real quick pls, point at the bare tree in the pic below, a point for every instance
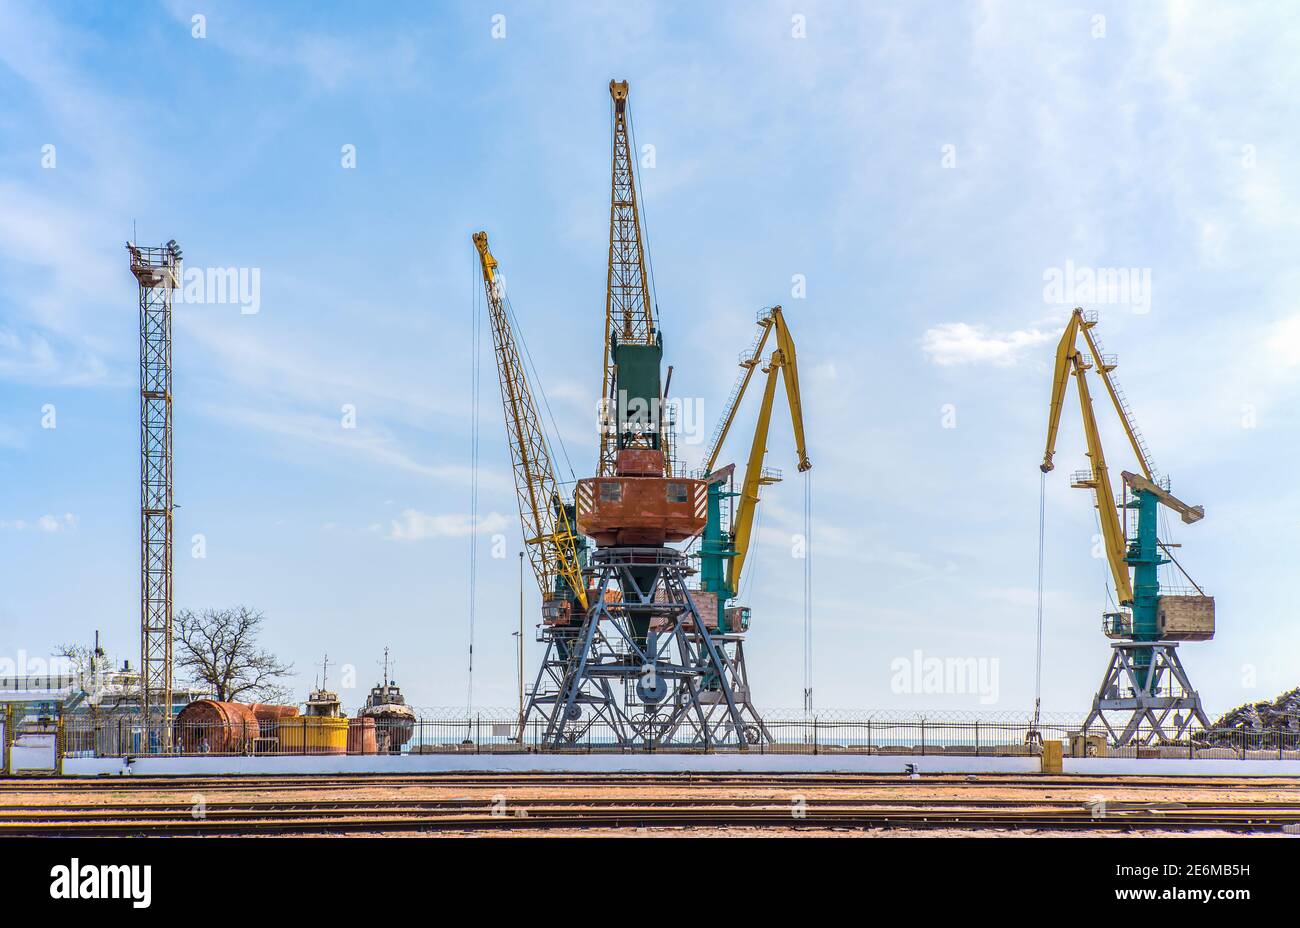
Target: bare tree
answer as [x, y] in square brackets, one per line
[83, 661]
[218, 648]
[92, 673]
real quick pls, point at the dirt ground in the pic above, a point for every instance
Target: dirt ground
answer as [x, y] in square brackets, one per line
[1025, 795]
[918, 791]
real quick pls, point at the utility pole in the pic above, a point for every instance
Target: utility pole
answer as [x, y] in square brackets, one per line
[520, 634]
[157, 270]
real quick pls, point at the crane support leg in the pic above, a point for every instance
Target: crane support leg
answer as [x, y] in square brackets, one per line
[608, 686]
[1144, 685]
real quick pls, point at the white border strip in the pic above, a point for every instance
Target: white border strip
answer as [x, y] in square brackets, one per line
[517, 763]
[1182, 766]
[633, 763]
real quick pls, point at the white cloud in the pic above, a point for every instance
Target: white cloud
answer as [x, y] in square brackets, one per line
[33, 359]
[414, 525]
[46, 523]
[1283, 341]
[961, 343]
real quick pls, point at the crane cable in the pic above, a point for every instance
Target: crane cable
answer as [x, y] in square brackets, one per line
[1038, 660]
[645, 222]
[746, 593]
[535, 380]
[807, 594]
[475, 343]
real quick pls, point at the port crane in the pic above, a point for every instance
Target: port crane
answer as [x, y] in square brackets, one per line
[636, 666]
[555, 549]
[1145, 682]
[723, 552]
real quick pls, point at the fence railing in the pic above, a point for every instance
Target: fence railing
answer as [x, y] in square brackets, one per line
[126, 736]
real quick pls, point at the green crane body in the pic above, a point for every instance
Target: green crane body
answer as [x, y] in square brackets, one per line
[638, 400]
[716, 552]
[1144, 557]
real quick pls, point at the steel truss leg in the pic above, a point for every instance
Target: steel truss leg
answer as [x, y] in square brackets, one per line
[626, 693]
[1145, 704]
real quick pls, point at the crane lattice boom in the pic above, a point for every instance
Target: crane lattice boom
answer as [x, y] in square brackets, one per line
[548, 532]
[629, 311]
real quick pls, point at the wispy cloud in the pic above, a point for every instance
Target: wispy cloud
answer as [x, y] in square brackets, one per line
[31, 358]
[46, 523]
[329, 60]
[414, 525]
[962, 343]
[309, 433]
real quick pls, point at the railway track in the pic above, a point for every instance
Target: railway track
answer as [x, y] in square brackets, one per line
[257, 806]
[275, 821]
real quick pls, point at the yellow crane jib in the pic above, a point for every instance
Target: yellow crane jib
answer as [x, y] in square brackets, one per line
[1132, 561]
[1070, 362]
[548, 532]
[783, 361]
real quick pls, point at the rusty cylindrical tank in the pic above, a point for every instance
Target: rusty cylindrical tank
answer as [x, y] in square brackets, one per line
[265, 711]
[269, 715]
[362, 736]
[206, 726]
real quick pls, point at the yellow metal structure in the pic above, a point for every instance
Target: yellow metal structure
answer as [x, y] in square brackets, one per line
[548, 531]
[1071, 361]
[629, 311]
[784, 362]
[1067, 356]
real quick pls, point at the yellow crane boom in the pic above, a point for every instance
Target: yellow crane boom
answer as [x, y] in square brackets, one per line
[549, 534]
[1067, 350]
[784, 361]
[1070, 362]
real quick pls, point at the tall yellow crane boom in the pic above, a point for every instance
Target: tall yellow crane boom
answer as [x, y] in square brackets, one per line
[1067, 350]
[1072, 361]
[749, 361]
[1112, 533]
[549, 534]
[629, 311]
[784, 361]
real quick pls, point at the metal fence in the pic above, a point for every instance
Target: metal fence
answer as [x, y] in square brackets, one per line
[125, 736]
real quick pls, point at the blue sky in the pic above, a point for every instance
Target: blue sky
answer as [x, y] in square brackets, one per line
[923, 166]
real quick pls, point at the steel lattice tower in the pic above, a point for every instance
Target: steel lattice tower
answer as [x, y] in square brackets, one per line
[158, 272]
[629, 312]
